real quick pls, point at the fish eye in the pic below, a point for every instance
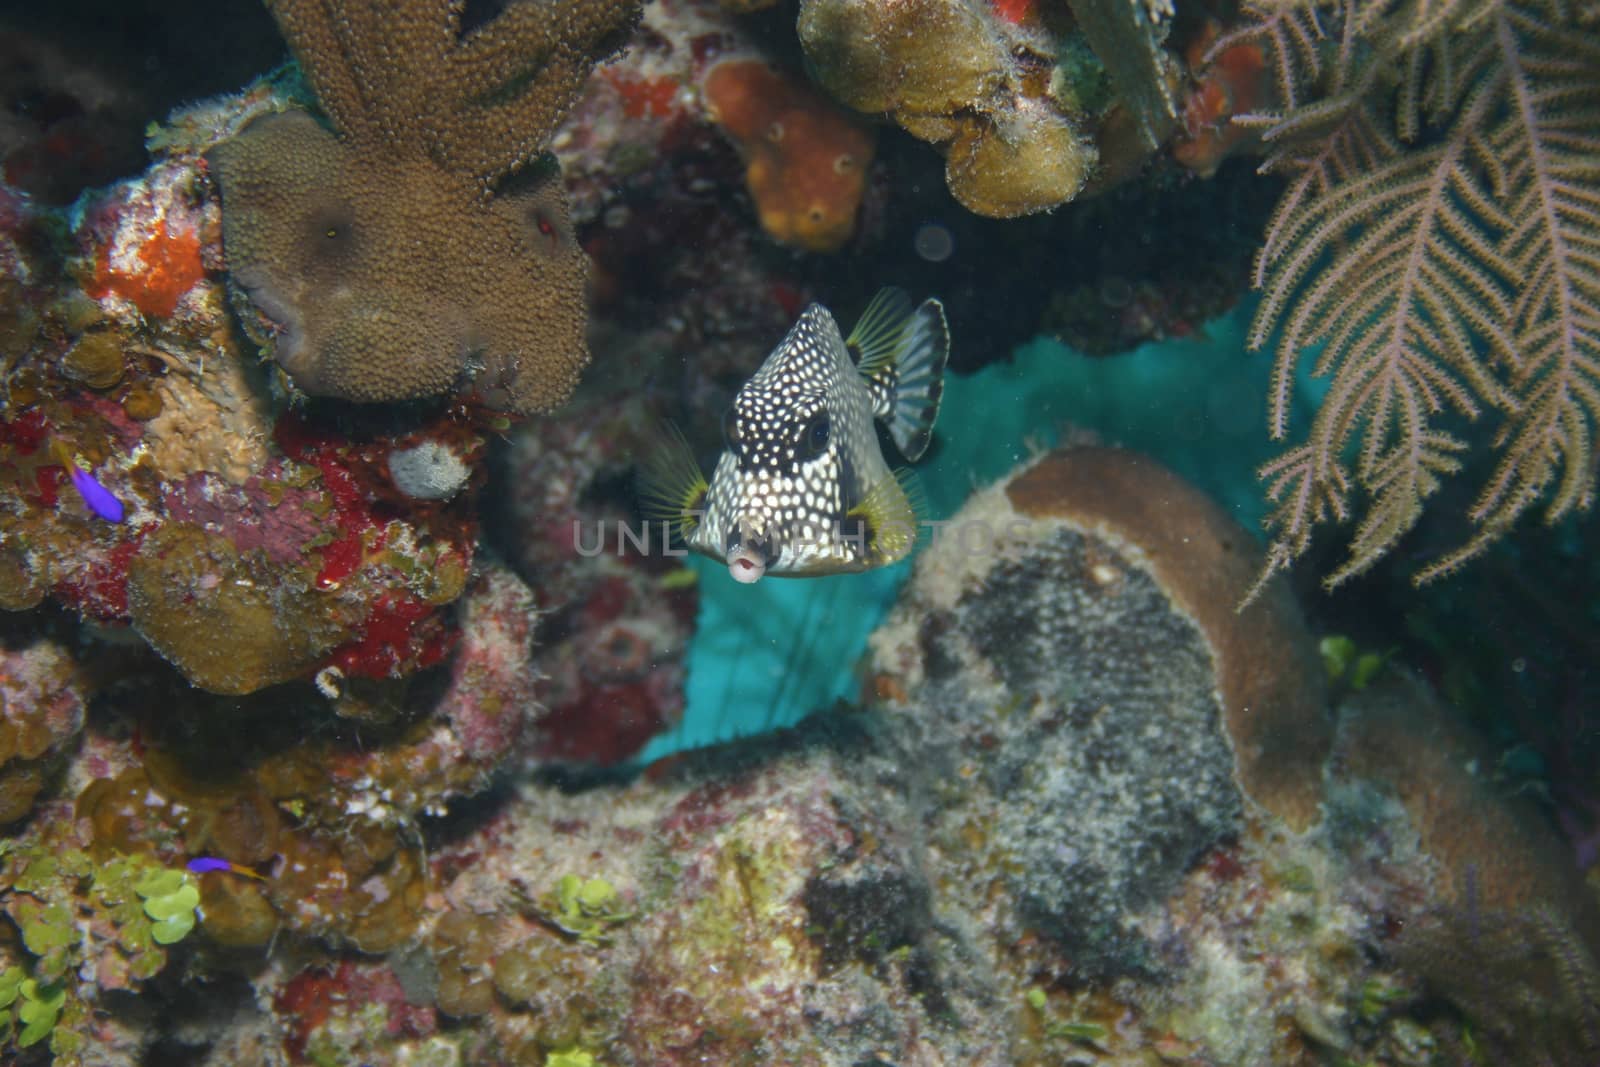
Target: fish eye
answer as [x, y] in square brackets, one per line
[814, 439]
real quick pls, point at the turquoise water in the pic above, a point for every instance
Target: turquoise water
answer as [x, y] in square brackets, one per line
[768, 654]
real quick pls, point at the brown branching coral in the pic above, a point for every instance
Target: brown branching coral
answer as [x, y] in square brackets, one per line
[390, 259]
[1523, 979]
[1440, 236]
[1505, 930]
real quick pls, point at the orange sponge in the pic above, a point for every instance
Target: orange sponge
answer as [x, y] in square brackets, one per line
[805, 160]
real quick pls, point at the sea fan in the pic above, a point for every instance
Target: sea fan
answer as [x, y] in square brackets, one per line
[1440, 237]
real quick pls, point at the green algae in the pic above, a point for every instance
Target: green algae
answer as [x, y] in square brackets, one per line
[586, 908]
[79, 916]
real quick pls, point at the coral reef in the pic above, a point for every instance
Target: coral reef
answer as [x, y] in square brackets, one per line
[1504, 898]
[89, 926]
[388, 260]
[1095, 590]
[1058, 831]
[1272, 702]
[234, 521]
[322, 721]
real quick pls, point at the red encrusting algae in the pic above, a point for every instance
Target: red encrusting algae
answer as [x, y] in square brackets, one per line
[1015, 12]
[99, 590]
[168, 266]
[404, 629]
[641, 96]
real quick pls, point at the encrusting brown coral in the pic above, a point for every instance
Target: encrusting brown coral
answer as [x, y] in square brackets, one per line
[392, 259]
[1508, 931]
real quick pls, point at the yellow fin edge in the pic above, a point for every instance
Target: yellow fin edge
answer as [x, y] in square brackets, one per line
[671, 485]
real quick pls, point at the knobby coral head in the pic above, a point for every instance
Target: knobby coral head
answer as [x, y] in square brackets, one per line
[400, 255]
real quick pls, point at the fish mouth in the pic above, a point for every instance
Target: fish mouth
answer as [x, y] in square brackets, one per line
[748, 560]
[746, 566]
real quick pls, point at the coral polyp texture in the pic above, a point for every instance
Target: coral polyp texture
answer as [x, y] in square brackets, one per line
[1101, 602]
[1272, 705]
[395, 256]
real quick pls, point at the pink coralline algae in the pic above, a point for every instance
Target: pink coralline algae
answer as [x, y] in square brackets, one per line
[42, 705]
[492, 696]
[265, 513]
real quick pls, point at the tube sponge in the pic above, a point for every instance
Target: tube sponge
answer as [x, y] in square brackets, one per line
[806, 160]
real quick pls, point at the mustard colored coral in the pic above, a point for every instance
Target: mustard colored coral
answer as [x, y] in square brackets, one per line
[806, 161]
[923, 57]
[948, 73]
[232, 624]
[1033, 159]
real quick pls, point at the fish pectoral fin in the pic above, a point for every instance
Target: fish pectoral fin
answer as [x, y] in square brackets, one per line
[889, 515]
[671, 485]
[902, 354]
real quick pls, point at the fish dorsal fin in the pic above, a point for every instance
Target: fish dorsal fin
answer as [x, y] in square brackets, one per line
[875, 342]
[891, 513]
[671, 485]
[902, 352]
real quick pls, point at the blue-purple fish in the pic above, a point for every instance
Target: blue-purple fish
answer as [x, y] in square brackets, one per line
[206, 864]
[96, 497]
[802, 488]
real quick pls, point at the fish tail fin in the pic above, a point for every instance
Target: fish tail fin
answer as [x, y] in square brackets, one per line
[901, 352]
[671, 485]
[891, 517]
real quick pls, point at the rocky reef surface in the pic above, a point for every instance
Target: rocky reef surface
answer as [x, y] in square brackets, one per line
[1078, 820]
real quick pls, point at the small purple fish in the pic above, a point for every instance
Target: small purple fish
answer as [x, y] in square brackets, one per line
[100, 500]
[206, 864]
[96, 497]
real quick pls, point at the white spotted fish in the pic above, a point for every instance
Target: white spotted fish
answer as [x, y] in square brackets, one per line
[802, 488]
